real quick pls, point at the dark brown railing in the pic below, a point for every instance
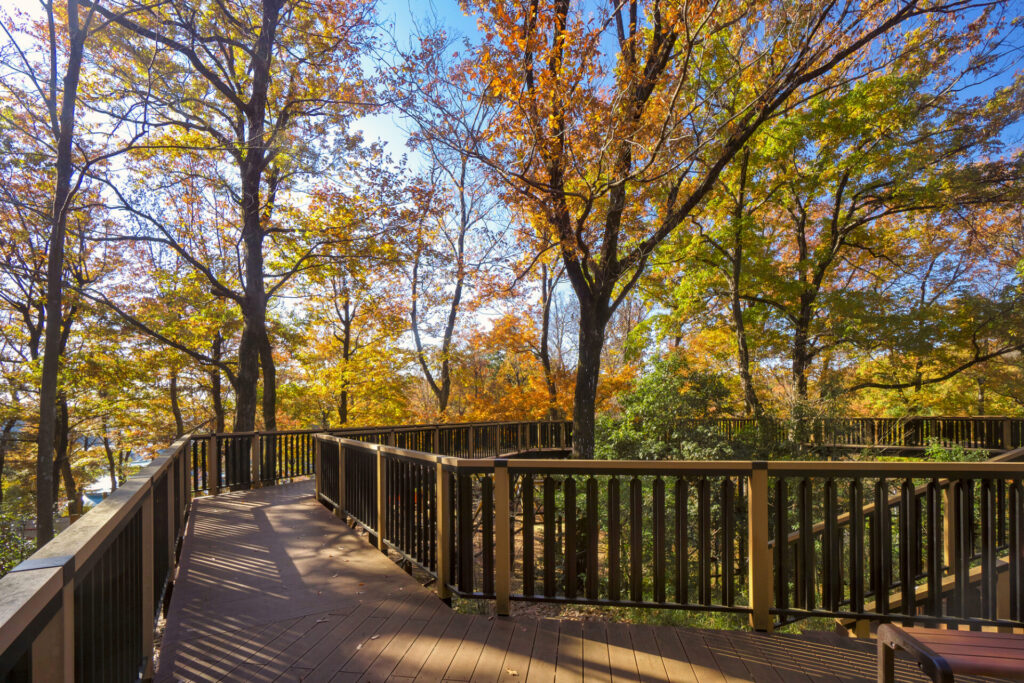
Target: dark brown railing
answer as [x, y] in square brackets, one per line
[699, 535]
[983, 433]
[272, 457]
[83, 607]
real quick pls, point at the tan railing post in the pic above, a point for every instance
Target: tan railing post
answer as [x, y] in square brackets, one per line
[444, 531]
[758, 552]
[254, 461]
[519, 436]
[502, 539]
[53, 650]
[472, 440]
[437, 440]
[212, 466]
[146, 547]
[391, 438]
[381, 493]
[1007, 433]
[340, 512]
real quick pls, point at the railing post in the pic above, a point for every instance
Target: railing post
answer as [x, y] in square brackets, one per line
[1007, 434]
[53, 650]
[519, 436]
[949, 527]
[254, 461]
[502, 539]
[381, 507]
[212, 466]
[146, 547]
[444, 532]
[318, 470]
[340, 511]
[437, 440]
[758, 552]
[472, 444]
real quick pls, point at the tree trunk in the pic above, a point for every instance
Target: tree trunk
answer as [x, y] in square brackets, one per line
[544, 352]
[179, 422]
[64, 136]
[64, 457]
[591, 341]
[215, 386]
[269, 383]
[5, 443]
[800, 363]
[111, 463]
[343, 407]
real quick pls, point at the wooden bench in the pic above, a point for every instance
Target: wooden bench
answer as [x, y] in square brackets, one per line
[942, 654]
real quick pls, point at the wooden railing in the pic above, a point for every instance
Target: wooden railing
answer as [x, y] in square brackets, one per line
[982, 433]
[265, 458]
[82, 608]
[698, 535]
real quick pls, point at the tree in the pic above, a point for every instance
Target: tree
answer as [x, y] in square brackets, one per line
[617, 149]
[50, 81]
[248, 91]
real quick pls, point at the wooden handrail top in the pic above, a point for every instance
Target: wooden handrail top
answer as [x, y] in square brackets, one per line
[27, 590]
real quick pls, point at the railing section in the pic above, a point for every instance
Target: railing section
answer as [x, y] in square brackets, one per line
[919, 542]
[240, 460]
[83, 607]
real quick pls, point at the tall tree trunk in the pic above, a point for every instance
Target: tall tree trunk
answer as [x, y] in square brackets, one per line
[800, 363]
[62, 194]
[179, 422]
[544, 352]
[343, 407]
[751, 403]
[269, 383]
[6, 438]
[111, 463]
[64, 456]
[593, 321]
[215, 385]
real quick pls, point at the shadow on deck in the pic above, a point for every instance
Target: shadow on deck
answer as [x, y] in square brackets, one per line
[272, 587]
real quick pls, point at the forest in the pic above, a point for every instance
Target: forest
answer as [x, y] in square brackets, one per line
[238, 215]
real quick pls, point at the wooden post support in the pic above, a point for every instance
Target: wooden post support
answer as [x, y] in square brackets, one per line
[1007, 434]
[318, 469]
[437, 441]
[212, 466]
[444, 532]
[391, 438]
[254, 461]
[146, 547]
[502, 539]
[340, 512]
[519, 436]
[758, 552]
[472, 445]
[53, 650]
[382, 490]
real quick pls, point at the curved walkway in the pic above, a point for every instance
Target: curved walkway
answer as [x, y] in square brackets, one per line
[273, 587]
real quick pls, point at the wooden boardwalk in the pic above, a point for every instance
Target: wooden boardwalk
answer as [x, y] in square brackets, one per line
[271, 587]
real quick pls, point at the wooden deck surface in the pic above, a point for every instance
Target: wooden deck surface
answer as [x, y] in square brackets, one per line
[272, 587]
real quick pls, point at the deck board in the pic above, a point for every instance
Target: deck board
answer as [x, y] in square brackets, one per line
[271, 587]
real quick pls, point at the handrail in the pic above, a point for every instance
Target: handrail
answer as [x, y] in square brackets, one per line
[111, 566]
[448, 516]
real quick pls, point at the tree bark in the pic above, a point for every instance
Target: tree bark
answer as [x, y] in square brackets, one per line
[217, 350]
[543, 351]
[593, 322]
[5, 443]
[62, 195]
[179, 422]
[64, 457]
